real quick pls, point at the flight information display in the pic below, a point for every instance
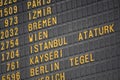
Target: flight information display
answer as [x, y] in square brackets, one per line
[59, 39]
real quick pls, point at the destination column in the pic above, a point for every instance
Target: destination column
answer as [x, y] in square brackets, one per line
[43, 48]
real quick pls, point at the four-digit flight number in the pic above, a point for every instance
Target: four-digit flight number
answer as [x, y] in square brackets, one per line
[7, 2]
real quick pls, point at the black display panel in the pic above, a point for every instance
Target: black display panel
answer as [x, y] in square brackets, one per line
[59, 40]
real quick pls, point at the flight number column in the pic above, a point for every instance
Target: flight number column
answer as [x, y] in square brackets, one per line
[9, 40]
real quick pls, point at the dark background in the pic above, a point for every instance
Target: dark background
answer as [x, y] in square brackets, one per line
[73, 17]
